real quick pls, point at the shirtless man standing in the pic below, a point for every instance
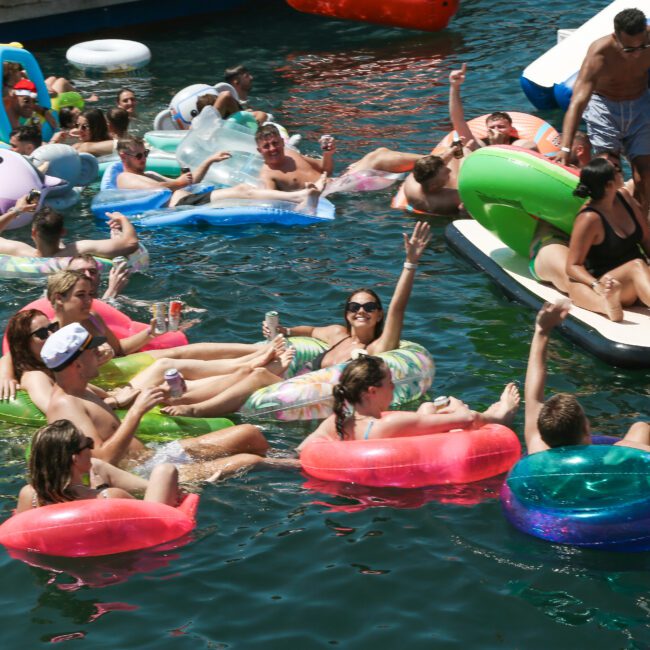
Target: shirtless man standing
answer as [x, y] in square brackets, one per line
[71, 353]
[612, 91]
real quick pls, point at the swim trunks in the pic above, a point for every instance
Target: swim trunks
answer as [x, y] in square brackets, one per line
[195, 199]
[165, 452]
[619, 125]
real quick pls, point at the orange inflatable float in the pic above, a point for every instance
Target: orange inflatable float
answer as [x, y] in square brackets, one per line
[425, 15]
[524, 126]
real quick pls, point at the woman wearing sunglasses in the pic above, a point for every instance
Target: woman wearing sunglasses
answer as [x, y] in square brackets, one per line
[61, 458]
[606, 264]
[92, 131]
[365, 326]
[27, 331]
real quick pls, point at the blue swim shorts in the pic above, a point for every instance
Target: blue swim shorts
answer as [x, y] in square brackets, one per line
[622, 126]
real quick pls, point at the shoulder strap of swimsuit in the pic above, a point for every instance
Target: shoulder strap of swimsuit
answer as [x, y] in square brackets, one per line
[368, 428]
[630, 210]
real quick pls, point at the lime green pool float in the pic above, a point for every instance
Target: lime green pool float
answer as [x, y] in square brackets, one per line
[508, 190]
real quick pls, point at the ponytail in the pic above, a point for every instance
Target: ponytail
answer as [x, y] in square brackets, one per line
[339, 409]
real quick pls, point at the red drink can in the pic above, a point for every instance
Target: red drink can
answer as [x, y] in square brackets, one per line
[175, 311]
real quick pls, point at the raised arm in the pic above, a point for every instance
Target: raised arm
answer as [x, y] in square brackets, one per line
[548, 317]
[199, 173]
[125, 243]
[414, 246]
[456, 111]
[582, 91]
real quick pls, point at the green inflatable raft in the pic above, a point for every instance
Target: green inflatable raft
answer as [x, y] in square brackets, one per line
[508, 190]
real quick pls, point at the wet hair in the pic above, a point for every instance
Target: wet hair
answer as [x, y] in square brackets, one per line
[62, 282]
[231, 74]
[97, 124]
[123, 90]
[205, 100]
[562, 421]
[128, 143]
[31, 134]
[50, 461]
[48, 225]
[357, 377]
[266, 131]
[498, 115]
[630, 22]
[19, 333]
[594, 176]
[67, 117]
[118, 120]
[379, 327]
[427, 168]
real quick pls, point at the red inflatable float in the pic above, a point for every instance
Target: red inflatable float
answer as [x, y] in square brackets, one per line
[415, 461]
[93, 527]
[425, 15]
[120, 323]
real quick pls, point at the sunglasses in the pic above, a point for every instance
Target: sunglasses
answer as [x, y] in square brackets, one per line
[43, 332]
[627, 50]
[83, 127]
[138, 156]
[368, 307]
[88, 443]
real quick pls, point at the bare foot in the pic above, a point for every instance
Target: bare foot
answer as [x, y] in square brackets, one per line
[503, 411]
[313, 192]
[611, 295]
[186, 410]
[285, 359]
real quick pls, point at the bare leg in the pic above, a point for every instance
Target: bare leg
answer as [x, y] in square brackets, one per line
[229, 400]
[638, 436]
[550, 265]
[215, 470]
[503, 411]
[386, 160]
[163, 485]
[634, 277]
[244, 438]
[608, 302]
[206, 351]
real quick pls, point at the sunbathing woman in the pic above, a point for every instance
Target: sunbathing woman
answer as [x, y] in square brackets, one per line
[366, 387]
[606, 263]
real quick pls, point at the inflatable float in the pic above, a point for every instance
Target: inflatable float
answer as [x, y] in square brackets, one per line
[33, 71]
[308, 396]
[146, 207]
[94, 527]
[120, 324]
[625, 344]
[548, 81]
[415, 461]
[524, 126]
[161, 162]
[425, 15]
[592, 496]
[508, 190]
[109, 55]
[33, 269]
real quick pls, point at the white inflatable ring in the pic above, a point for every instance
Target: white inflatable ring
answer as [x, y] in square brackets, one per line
[109, 55]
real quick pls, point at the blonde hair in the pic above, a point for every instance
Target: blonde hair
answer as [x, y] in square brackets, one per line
[62, 282]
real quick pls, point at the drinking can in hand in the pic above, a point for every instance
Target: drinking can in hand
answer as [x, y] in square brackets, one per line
[175, 382]
[175, 311]
[159, 310]
[272, 320]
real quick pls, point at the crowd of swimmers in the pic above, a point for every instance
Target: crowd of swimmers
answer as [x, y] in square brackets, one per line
[56, 356]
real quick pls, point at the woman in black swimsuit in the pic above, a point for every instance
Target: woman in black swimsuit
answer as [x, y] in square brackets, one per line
[609, 238]
[365, 326]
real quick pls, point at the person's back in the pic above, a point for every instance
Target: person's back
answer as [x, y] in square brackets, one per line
[432, 187]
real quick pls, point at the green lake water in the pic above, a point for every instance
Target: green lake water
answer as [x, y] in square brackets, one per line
[280, 562]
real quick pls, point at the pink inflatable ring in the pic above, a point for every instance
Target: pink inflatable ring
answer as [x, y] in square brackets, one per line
[93, 527]
[415, 461]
